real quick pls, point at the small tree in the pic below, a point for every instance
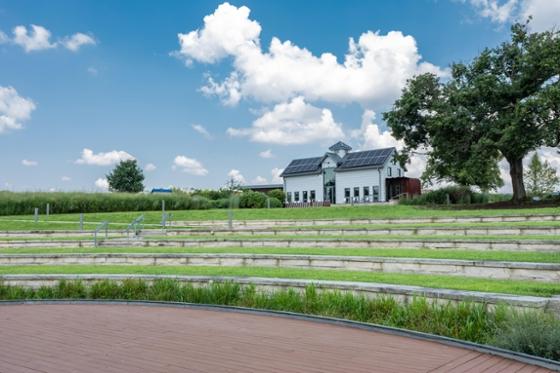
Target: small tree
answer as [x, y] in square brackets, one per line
[541, 179]
[126, 177]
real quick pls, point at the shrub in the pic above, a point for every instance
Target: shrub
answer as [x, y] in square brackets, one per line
[458, 195]
[250, 199]
[531, 333]
[278, 194]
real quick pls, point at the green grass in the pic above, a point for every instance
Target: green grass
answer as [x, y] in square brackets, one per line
[435, 281]
[510, 256]
[343, 212]
[232, 237]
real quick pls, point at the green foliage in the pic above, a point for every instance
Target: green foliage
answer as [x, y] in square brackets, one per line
[126, 177]
[465, 321]
[213, 194]
[251, 199]
[504, 104]
[541, 179]
[456, 195]
[278, 194]
[531, 333]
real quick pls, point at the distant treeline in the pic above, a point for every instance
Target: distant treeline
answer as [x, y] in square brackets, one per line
[24, 203]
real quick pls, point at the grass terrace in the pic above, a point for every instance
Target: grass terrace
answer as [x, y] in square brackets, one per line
[433, 281]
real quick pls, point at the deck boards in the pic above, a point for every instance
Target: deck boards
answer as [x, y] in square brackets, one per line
[121, 338]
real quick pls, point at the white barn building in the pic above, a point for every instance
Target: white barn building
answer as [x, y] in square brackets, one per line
[341, 176]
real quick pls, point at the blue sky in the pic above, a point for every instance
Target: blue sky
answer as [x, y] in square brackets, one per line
[114, 78]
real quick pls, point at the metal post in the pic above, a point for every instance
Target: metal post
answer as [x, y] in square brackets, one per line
[163, 221]
[163, 206]
[106, 231]
[36, 215]
[267, 202]
[48, 209]
[81, 222]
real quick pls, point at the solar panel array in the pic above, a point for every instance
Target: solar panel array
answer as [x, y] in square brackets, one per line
[369, 158]
[299, 166]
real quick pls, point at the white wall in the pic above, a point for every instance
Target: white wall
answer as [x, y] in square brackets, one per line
[305, 182]
[359, 178]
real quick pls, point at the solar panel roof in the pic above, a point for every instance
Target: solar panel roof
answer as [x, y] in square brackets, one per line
[303, 166]
[368, 158]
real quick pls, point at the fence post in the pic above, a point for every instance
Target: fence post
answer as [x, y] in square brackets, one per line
[48, 209]
[267, 202]
[36, 215]
[81, 222]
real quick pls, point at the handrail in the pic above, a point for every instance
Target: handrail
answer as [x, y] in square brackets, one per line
[136, 225]
[103, 225]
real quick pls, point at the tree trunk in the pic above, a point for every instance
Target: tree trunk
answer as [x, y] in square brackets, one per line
[516, 173]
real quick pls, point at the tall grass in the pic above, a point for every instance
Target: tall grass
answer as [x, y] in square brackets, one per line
[12, 203]
[536, 333]
[466, 321]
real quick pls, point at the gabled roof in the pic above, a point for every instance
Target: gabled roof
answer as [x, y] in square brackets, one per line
[303, 166]
[340, 146]
[365, 159]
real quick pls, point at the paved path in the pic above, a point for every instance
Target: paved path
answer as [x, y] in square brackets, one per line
[133, 338]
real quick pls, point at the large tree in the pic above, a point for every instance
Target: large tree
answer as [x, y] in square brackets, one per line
[503, 105]
[126, 177]
[541, 178]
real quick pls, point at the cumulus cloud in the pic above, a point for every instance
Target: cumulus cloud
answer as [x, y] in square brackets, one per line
[189, 166]
[150, 167]
[35, 39]
[497, 11]
[293, 122]
[65, 178]
[29, 163]
[76, 41]
[373, 71]
[266, 154]
[103, 159]
[236, 176]
[259, 180]
[38, 38]
[276, 172]
[545, 13]
[372, 137]
[14, 109]
[102, 184]
[201, 130]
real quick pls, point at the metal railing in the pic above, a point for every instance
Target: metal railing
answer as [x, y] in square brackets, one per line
[136, 226]
[100, 227]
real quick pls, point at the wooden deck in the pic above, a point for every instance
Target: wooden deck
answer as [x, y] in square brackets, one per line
[135, 338]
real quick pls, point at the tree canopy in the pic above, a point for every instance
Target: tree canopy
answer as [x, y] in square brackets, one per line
[503, 105]
[126, 177]
[541, 178]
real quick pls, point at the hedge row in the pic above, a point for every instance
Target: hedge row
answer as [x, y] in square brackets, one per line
[12, 203]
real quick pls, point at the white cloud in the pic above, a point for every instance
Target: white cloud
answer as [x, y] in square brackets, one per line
[259, 180]
[14, 109]
[373, 137]
[102, 184]
[65, 178]
[276, 172]
[497, 11]
[103, 159]
[76, 41]
[236, 176]
[266, 154]
[150, 167]
[293, 122]
[3, 38]
[203, 131]
[29, 163]
[92, 71]
[189, 165]
[545, 13]
[374, 69]
[38, 38]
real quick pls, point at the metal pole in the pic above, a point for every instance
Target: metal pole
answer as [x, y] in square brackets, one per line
[230, 214]
[81, 222]
[163, 206]
[48, 209]
[36, 215]
[267, 202]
